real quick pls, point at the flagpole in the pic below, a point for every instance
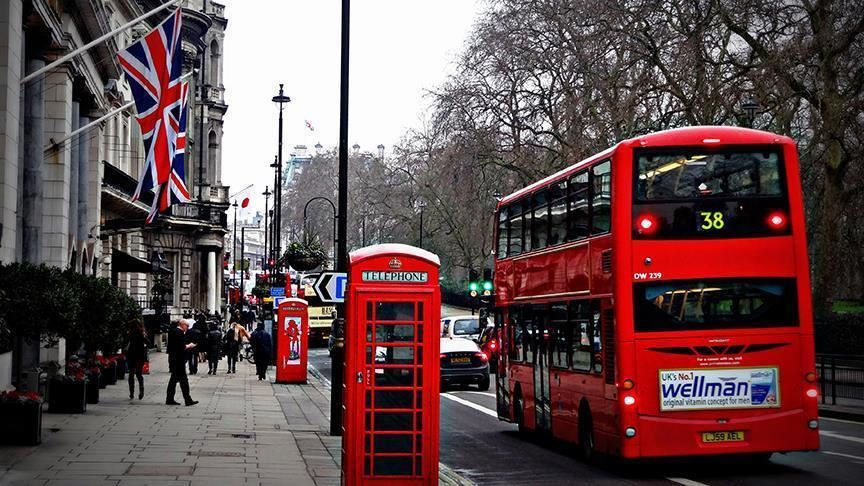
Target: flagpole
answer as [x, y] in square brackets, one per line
[94, 42]
[99, 120]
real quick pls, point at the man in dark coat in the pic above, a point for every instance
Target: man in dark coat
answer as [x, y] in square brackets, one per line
[193, 335]
[214, 348]
[262, 348]
[177, 352]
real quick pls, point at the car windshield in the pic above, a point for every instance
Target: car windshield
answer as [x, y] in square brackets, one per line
[464, 327]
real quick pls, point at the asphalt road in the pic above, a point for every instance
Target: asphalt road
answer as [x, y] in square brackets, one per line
[478, 446]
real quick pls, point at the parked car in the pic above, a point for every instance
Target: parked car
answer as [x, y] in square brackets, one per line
[463, 363]
[466, 326]
[490, 345]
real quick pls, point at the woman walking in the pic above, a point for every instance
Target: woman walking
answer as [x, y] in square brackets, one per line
[136, 356]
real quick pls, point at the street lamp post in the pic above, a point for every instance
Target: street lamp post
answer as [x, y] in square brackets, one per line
[234, 245]
[273, 225]
[281, 100]
[338, 354]
[266, 195]
[242, 271]
[335, 218]
[750, 107]
[422, 207]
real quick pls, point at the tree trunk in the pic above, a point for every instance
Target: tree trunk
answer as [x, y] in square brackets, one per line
[828, 255]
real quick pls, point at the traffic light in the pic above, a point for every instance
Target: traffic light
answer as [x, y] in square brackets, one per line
[487, 288]
[473, 287]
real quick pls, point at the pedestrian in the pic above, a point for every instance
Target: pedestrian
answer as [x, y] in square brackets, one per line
[136, 356]
[261, 348]
[201, 325]
[214, 347]
[193, 336]
[177, 349]
[232, 349]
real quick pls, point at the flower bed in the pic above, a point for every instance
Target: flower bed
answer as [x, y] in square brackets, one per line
[22, 418]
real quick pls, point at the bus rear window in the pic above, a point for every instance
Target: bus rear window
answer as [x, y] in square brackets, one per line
[693, 305]
[665, 176]
[728, 194]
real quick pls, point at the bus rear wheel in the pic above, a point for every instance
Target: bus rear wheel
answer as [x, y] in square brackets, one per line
[519, 414]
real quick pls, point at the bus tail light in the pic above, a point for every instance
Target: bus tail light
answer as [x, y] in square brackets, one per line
[812, 392]
[629, 400]
[810, 377]
[813, 424]
[646, 224]
[777, 220]
[628, 384]
[630, 432]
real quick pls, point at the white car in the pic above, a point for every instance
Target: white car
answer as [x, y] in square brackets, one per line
[462, 362]
[465, 326]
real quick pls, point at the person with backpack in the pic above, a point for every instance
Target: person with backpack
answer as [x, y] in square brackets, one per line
[214, 347]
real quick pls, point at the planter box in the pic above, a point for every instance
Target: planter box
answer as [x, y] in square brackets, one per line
[103, 380]
[121, 369]
[305, 264]
[92, 391]
[110, 374]
[66, 397]
[21, 424]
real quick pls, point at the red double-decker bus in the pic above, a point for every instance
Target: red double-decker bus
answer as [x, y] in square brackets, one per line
[654, 299]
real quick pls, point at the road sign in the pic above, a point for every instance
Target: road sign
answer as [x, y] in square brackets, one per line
[277, 291]
[331, 287]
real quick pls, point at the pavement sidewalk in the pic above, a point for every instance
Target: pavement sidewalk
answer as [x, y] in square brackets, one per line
[244, 432]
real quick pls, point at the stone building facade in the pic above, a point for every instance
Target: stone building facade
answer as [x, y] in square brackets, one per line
[65, 194]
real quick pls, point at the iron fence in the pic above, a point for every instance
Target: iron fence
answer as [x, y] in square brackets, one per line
[840, 376]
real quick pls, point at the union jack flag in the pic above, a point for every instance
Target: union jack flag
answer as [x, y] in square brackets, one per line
[153, 66]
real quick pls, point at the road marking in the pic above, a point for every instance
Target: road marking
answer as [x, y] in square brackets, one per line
[479, 408]
[835, 435]
[848, 456]
[841, 420]
[488, 394]
[686, 482]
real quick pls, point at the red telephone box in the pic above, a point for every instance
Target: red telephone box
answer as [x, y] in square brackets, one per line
[392, 377]
[292, 343]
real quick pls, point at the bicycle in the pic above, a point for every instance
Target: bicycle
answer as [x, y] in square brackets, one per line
[246, 353]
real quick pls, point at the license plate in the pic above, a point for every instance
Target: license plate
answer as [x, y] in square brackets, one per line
[726, 436]
[460, 360]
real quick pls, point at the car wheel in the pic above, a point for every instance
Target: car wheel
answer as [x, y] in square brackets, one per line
[484, 383]
[586, 434]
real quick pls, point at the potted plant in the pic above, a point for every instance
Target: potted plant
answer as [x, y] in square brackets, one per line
[22, 418]
[94, 383]
[67, 393]
[305, 255]
[121, 366]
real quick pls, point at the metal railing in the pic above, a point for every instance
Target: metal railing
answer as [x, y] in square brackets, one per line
[840, 376]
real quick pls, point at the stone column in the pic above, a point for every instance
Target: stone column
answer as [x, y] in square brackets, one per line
[74, 175]
[11, 48]
[211, 282]
[57, 168]
[33, 143]
[83, 228]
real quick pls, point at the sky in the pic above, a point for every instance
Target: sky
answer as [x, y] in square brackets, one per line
[399, 50]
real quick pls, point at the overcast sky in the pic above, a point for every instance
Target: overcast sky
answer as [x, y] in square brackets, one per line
[399, 49]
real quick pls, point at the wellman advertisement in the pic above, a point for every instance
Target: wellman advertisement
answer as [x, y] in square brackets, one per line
[725, 388]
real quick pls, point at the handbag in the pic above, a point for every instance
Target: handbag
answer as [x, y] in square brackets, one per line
[145, 368]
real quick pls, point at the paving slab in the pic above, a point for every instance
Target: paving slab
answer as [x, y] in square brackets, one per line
[237, 435]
